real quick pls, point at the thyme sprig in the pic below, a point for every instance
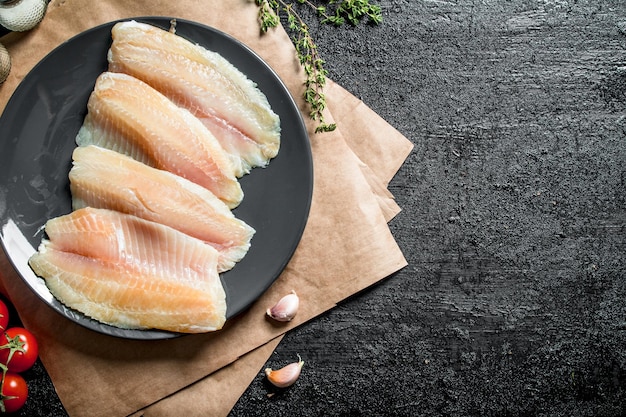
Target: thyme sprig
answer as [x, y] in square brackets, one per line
[340, 11]
[352, 10]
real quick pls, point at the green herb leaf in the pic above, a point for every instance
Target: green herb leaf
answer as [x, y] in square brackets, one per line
[337, 12]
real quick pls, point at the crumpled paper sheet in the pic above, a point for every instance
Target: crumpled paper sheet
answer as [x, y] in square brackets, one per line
[349, 214]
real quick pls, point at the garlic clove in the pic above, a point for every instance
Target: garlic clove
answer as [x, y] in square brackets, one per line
[22, 15]
[286, 308]
[5, 63]
[285, 376]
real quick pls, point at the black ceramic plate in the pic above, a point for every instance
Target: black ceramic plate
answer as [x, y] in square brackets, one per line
[37, 131]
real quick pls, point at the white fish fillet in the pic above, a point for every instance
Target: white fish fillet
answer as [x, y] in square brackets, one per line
[131, 273]
[128, 116]
[103, 178]
[206, 84]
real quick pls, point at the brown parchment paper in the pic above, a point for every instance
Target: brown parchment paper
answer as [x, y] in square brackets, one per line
[346, 245]
[230, 382]
[226, 385]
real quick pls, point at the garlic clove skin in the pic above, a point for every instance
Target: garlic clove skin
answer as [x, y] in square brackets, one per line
[5, 63]
[285, 376]
[286, 308]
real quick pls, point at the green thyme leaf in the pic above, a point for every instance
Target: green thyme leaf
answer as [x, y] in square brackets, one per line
[336, 13]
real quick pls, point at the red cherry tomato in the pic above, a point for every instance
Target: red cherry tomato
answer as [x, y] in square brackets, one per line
[4, 316]
[18, 349]
[14, 392]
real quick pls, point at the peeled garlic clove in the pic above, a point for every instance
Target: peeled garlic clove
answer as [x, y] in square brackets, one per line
[22, 15]
[285, 376]
[5, 63]
[286, 308]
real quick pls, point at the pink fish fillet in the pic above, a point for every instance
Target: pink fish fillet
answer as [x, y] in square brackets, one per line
[131, 273]
[128, 116]
[107, 179]
[205, 83]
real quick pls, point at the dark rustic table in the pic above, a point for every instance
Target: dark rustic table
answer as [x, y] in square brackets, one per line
[514, 198]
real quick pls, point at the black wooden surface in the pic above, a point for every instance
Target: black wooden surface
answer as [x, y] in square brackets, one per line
[514, 198]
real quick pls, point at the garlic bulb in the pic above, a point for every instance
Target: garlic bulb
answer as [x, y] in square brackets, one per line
[285, 376]
[5, 63]
[286, 308]
[22, 15]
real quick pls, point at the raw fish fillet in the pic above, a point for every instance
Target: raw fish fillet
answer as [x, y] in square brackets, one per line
[131, 273]
[103, 178]
[130, 117]
[206, 84]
